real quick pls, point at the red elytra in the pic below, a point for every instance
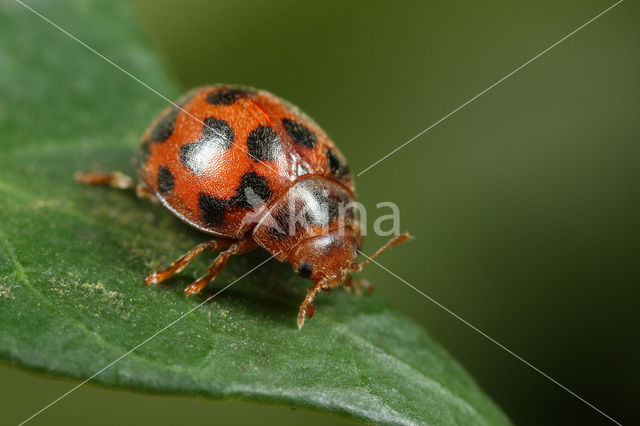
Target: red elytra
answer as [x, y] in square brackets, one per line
[252, 170]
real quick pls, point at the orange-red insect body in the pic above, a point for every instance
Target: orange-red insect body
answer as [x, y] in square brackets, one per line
[252, 170]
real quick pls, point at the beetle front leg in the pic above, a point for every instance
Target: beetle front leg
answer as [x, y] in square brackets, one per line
[306, 308]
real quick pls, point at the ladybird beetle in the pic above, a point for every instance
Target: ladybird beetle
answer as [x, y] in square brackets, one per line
[251, 170]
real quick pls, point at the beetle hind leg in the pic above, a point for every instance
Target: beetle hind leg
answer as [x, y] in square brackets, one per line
[115, 180]
[212, 273]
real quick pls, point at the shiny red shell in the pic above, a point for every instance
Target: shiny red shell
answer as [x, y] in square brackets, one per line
[229, 152]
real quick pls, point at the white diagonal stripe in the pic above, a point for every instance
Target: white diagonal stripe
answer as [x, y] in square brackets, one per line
[491, 87]
[500, 345]
[64, 395]
[124, 71]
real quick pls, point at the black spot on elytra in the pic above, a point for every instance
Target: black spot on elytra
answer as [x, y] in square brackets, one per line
[217, 135]
[163, 128]
[226, 96]
[188, 152]
[337, 167]
[213, 209]
[264, 144]
[165, 180]
[253, 191]
[142, 154]
[305, 269]
[299, 133]
[218, 131]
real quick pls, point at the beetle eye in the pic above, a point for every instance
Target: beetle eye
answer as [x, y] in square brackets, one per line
[305, 269]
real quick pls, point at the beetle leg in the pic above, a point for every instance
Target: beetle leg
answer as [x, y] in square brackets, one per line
[357, 285]
[306, 308]
[181, 263]
[237, 247]
[116, 180]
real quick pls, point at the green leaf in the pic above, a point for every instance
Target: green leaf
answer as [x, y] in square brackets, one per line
[72, 258]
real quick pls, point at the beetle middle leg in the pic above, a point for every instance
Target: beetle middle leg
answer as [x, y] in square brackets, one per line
[241, 246]
[182, 262]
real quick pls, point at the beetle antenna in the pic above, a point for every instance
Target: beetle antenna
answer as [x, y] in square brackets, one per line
[399, 239]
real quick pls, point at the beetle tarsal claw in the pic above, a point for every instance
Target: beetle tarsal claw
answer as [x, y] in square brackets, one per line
[151, 279]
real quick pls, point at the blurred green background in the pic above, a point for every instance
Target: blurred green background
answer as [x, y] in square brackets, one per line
[524, 204]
